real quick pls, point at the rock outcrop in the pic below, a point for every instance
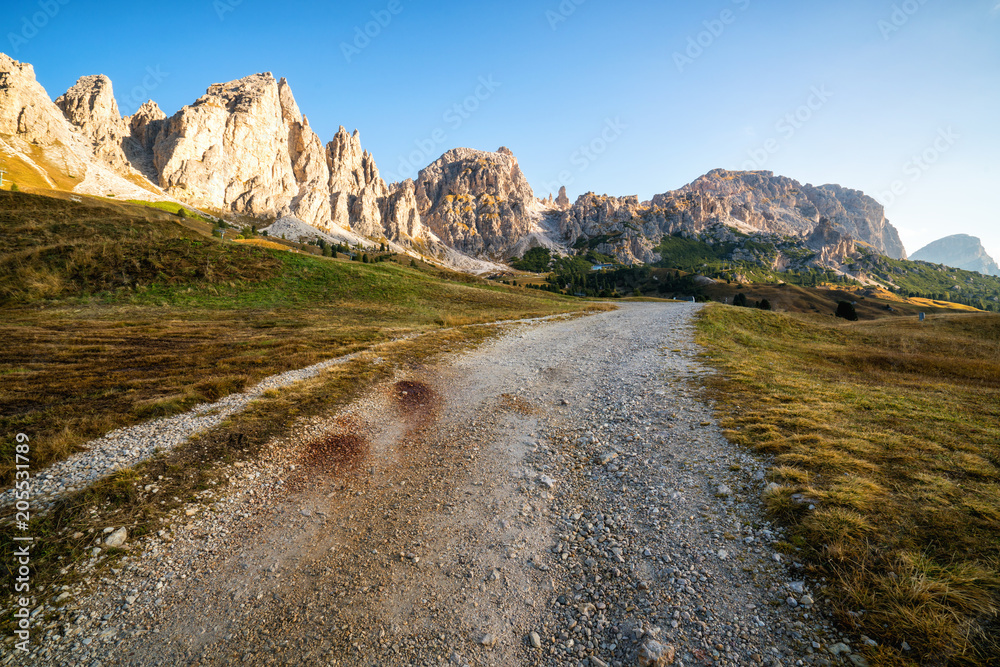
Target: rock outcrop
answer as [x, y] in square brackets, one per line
[748, 201]
[960, 251]
[58, 154]
[562, 201]
[477, 202]
[90, 106]
[833, 245]
[245, 147]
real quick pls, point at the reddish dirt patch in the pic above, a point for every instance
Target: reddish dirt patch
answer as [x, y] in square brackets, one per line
[336, 452]
[415, 396]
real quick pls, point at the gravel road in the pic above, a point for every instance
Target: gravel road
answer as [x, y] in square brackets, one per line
[560, 496]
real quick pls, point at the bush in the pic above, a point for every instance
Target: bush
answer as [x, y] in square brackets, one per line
[740, 300]
[764, 304]
[182, 212]
[14, 188]
[846, 310]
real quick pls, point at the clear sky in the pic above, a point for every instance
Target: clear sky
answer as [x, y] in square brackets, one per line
[615, 97]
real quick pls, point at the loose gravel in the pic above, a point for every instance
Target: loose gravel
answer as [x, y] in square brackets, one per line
[561, 496]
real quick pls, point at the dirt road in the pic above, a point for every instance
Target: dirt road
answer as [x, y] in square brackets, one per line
[558, 497]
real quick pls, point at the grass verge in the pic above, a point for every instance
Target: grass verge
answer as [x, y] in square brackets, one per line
[890, 429]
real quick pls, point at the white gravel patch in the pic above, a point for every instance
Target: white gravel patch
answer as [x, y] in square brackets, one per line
[126, 447]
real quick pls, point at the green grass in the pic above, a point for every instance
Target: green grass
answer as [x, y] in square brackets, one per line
[113, 314]
[171, 207]
[892, 428]
[935, 281]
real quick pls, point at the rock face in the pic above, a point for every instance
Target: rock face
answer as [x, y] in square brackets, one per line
[90, 105]
[229, 150]
[245, 147]
[961, 252]
[749, 201]
[833, 245]
[562, 201]
[35, 132]
[476, 202]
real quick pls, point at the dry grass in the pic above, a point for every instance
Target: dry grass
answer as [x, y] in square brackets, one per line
[891, 428]
[182, 474]
[115, 314]
[261, 243]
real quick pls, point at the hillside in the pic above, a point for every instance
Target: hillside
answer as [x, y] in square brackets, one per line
[757, 202]
[793, 274]
[114, 313]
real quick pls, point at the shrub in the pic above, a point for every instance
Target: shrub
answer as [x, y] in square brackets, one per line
[14, 188]
[764, 304]
[846, 310]
[740, 300]
[182, 212]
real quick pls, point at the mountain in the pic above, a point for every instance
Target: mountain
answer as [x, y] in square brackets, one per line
[477, 202]
[41, 146]
[960, 251]
[244, 148]
[756, 201]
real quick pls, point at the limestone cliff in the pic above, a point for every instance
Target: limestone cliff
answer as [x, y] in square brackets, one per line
[477, 202]
[245, 147]
[748, 201]
[51, 152]
[90, 105]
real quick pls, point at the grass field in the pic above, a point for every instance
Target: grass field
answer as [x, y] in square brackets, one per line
[891, 430]
[114, 314]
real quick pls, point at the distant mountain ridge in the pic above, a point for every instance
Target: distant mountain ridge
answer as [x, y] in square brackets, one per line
[244, 148]
[755, 201]
[960, 251]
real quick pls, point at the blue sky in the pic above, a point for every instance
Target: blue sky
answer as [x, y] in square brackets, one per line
[896, 98]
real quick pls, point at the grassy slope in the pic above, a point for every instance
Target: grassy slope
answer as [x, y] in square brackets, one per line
[917, 278]
[890, 428]
[114, 314]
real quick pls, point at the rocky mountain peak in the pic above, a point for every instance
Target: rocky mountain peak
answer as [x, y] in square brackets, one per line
[476, 201]
[960, 251]
[562, 201]
[91, 105]
[289, 109]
